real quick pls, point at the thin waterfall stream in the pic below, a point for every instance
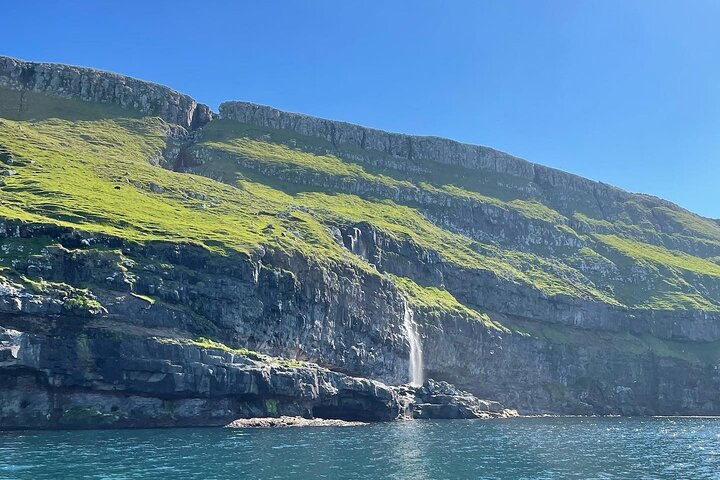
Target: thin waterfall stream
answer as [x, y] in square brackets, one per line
[416, 358]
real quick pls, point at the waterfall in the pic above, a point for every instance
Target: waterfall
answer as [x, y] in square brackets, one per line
[416, 359]
[355, 242]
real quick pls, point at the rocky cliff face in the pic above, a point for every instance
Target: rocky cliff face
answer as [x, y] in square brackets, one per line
[93, 377]
[411, 149]
[80, 373]
[345, 320]
[92, 85]
[568, 194]
[274, 280]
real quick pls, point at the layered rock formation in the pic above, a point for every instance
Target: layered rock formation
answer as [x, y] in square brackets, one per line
[101, 376]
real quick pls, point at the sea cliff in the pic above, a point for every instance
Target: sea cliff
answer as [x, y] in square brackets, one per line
[161, 264]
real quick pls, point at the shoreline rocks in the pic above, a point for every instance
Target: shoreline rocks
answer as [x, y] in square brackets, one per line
[96, 378]
[441, 400]
[284, 422]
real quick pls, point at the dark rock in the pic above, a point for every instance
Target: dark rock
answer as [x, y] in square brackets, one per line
[441, 400]
[6, 156]
[104, 379]
[295, 306]
[292, 307]
[100, 378]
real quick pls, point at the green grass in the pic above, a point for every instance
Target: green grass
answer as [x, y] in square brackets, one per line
[310, 158]
[81, 303]
[151, 301]
[656, 255]
[96, 176]
[15, 249]
[210, 344]
[701, 353]
[87, 166]
[436, 301]
[29, 105]
[661, 279]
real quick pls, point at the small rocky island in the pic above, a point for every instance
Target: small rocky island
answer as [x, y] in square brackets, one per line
[165, 265]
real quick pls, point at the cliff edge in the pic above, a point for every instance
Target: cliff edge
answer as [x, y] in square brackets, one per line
[93, 85]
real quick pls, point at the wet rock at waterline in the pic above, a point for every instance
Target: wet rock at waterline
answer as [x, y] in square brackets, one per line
[443, 400]
[100, 377]
[276, 422]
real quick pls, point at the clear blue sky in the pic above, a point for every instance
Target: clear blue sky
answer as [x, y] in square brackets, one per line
[625, 92]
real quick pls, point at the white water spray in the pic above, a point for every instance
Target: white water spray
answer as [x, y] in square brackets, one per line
[416, 359]
[355, 246]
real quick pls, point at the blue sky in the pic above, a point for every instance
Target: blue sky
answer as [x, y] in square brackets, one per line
[625, 92]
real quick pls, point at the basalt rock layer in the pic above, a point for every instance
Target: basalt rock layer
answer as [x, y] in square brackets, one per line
[161, 264]
[99, 376]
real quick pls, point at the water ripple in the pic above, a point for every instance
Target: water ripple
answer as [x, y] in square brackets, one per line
[532, 448]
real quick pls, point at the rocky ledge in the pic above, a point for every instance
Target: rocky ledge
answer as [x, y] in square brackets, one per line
[79, 373]
[275, 422]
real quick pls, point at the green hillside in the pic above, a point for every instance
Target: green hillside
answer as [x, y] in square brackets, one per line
[238, 187]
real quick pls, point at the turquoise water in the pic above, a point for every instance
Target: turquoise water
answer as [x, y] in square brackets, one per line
[531, 448]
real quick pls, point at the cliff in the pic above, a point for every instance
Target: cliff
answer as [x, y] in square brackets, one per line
[265, 253]
[92, 85]
[408, 148]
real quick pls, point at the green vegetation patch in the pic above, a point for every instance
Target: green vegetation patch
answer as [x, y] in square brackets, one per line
[92, 167]
[644, 252]
[210, 344]
[151, 301]
[437, 301]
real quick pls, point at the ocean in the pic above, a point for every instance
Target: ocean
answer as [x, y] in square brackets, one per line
[522, 448]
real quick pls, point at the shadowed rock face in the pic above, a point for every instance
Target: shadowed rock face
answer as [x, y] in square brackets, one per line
[98, 378]
[93, 85]
[70, 377]
[293, 308]
[442, 400]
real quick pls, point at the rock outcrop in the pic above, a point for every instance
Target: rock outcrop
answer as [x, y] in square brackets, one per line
[284, 421]
[342, 318]
[443, 400]
[93, 85]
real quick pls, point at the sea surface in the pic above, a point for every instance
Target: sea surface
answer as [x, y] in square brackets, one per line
[525, 448]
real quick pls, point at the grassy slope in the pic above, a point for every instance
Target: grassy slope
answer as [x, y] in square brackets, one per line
[624, 258]
[94, 174]
[86, 165]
